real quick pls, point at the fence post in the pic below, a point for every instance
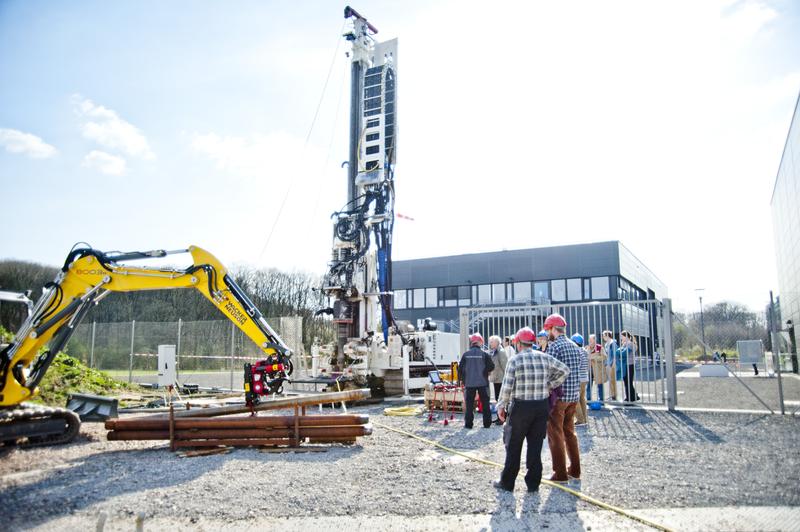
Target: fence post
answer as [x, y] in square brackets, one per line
[178, 349]
[776, 349]
[130, 364]
[463, 327]
[233, 340]
[669, 357]
[91, 347]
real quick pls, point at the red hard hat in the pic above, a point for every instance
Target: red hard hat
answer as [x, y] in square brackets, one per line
[476, 339]
[526, 336]
[554, 320]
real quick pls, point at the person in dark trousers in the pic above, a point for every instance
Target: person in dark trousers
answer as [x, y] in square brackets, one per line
[523, 405]
[628, 354]
[473, 371]
[561, 435]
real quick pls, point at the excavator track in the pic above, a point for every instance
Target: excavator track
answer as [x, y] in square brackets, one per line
[32, 425]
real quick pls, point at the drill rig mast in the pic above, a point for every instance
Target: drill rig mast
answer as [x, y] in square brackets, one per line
[359, 276]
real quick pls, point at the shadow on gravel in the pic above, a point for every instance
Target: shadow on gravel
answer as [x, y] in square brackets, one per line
[99, 477]
[532, 516]
[677, 427]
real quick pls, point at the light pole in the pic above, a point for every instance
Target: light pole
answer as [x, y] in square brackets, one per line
[702, 323]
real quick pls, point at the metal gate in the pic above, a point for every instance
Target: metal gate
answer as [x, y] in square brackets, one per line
[645, 320]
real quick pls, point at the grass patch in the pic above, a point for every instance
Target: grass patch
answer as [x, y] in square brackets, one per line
[68, 375]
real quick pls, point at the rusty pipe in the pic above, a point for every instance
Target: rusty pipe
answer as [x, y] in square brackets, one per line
[307, 432]
[272, 404]
[235, 423]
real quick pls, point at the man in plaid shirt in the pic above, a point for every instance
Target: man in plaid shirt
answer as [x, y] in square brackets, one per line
[561, 426]
[530, 375]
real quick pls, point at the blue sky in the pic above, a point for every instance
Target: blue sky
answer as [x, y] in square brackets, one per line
[140, 125]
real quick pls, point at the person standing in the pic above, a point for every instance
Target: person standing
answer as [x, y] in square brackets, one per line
[581, 414]
[499, 359]
[561, 426]
[612, 352]
[523, 405]
[473, 371]
[597, 363]
[507, 345]
[628, 355]
[541, 340]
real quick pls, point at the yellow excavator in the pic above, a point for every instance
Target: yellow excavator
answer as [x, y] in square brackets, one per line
[89, 275]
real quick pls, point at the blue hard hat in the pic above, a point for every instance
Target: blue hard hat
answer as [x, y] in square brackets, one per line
[542, 334]
[578, 339]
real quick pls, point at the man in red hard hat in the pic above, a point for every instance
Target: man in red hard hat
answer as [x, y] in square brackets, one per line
[561, 426]
[473, 371]
[523, 402]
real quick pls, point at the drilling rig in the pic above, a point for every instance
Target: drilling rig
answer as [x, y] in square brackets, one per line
[359, 279]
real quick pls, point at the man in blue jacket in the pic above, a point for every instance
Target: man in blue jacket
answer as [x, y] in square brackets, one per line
[473, 371]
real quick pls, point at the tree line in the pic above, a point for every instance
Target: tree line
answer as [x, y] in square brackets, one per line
[724, 324]
[274, 292]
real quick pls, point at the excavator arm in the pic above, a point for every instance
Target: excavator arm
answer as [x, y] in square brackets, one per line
[89, 275]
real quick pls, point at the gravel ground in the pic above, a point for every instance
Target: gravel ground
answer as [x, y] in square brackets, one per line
[728, 392]
[632, 458]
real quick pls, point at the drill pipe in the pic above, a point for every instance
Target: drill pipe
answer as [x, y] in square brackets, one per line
[237, 423]
[272, 404]
[349, 432]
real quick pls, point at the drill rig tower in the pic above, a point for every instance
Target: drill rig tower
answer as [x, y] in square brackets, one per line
[359, 277]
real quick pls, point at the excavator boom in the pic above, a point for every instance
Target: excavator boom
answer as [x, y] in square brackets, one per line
[89, 275]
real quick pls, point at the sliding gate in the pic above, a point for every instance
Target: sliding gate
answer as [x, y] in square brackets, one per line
[645, 320]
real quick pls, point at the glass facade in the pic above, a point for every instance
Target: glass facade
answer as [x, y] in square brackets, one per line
[786, 223]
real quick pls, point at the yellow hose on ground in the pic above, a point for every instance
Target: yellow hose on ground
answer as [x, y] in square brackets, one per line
[583, 497]
[403, 411]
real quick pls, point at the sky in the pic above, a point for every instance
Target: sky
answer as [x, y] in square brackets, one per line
[136, 125]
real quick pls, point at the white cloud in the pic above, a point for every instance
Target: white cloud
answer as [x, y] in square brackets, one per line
[16, 141]
[108, 129]
[252, 155]
[105, 162]
[741, 22]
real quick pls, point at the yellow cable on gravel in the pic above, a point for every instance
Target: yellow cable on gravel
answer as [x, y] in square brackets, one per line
[578, 494]
[402, 411]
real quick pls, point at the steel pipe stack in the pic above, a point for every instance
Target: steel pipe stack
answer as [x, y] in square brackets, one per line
[274, 431]
[210, 427]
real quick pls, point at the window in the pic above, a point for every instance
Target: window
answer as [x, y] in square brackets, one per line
[600, 288]
[463, 296]
[373, 136]
[449, 296]
[499, 293]
[522, 291]
[419, 298]
[373, 123]
[372, 149]
[559, 289]
[587, 289]
[485, 293]
[430, 297]
[574, 290]
[399, 299]
[541, 291]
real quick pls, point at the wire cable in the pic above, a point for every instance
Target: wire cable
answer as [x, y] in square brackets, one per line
[305, 143]
[581, 496]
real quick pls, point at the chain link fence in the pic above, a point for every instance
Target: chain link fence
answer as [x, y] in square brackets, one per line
[128, 350]
[751, 360]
